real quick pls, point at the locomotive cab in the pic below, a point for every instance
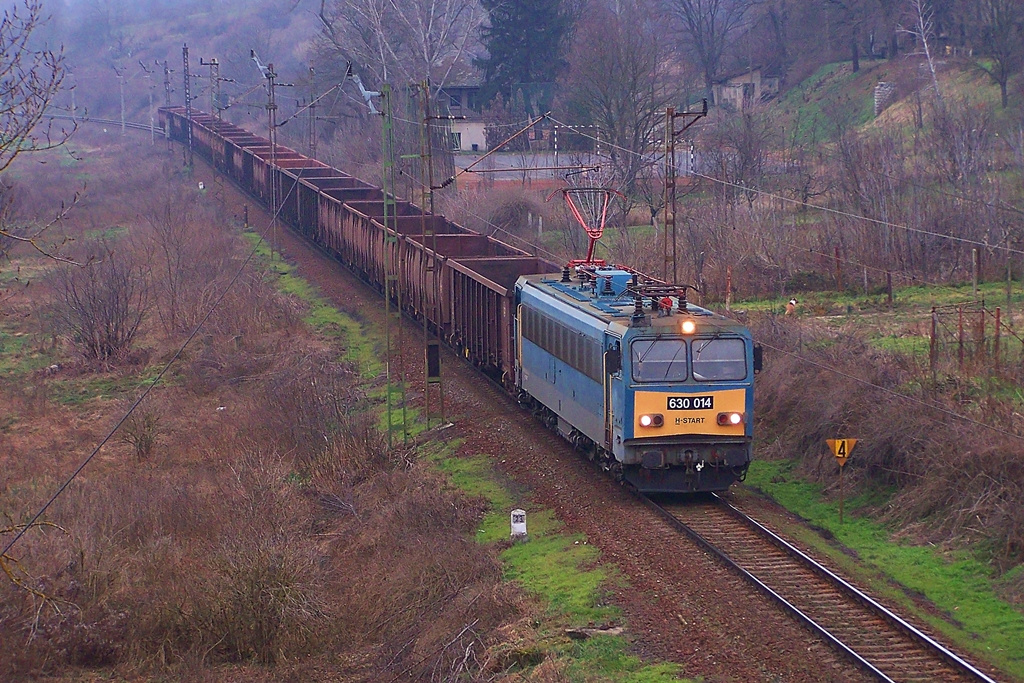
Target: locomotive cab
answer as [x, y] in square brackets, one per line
[657, 390]
[686, 403]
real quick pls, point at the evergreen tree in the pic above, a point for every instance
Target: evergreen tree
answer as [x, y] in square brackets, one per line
[526, 41]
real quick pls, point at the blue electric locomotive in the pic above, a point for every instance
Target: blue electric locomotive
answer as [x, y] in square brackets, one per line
[659, 391]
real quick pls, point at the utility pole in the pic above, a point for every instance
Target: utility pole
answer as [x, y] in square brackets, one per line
[432, 346]
[670, 182]
[216, 99]
[393, 269]
[188, 105]
[152, 120]
[214, 84]
[268, 73]
[167, 84]
[120, 78]
[312, 117]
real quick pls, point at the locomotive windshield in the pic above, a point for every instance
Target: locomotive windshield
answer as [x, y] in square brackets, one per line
[659, 360]
[719, 359]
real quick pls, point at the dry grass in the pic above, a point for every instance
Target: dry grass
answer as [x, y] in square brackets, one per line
[953, 480]
[256, 527]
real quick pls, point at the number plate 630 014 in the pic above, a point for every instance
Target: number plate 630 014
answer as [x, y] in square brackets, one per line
[691, 402]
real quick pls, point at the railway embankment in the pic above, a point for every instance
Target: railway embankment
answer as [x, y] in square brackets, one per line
[932, 490]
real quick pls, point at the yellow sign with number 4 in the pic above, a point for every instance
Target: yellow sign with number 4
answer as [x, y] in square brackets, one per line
[841, 448]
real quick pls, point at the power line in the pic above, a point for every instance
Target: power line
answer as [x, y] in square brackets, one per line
[1002, 206]
[826, 209]
[896, 394]
[847, 214]
[156, 380]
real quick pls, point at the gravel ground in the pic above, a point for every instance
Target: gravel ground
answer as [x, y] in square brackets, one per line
[679, 604]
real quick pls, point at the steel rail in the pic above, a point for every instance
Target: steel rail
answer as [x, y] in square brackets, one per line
[950, 658]
[763, 587]
[935, 646]
[107, 122]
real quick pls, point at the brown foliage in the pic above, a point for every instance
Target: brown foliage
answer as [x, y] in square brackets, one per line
[100, 305]
[954, 479]
[283, 532]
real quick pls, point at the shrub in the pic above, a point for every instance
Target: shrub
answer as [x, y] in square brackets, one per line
[140, 431]
[101, 304]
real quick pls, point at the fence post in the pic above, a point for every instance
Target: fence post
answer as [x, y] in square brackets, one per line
[933, 349]
[995, 342]
[1009, 281]
[839, 273]
[979, 346]
[974, 272]
[960, 336]
[888, 285]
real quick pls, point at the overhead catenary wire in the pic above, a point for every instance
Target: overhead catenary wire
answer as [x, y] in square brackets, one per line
[809, 205]
[896, 394]
[1002, 206]
[854, 216]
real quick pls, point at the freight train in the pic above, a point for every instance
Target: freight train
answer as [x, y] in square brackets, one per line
[657, 390]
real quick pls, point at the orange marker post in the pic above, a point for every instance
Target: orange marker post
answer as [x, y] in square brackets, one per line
[841, 448]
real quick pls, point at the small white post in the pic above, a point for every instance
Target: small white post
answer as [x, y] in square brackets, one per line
[519, 526]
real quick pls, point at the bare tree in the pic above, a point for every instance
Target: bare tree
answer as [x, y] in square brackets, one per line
[922, 29]
[101, 306]
[621, 82]
[997, 28]
[406, 41]
[30, 79]
[8, 207]
[852, 15]
[189, 259]
[738, 149]
[708, 27]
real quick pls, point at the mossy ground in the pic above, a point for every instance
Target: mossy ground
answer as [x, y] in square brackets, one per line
[960, 586]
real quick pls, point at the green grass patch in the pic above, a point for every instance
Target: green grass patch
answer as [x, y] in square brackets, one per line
[407, 416]
[551, 565]
[960, 585]
[78, 390]
[321, 315]
[918, 298]
[19, 355]
[832, 90]
[908, 346]
[561, 569]
[608, 658]
[107, 234]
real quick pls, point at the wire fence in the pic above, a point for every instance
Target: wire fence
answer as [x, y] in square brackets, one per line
[972, 338]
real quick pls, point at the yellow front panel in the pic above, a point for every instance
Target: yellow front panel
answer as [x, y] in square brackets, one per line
[692, 420]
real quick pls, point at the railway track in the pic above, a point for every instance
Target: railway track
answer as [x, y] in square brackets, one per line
[105, 122]
[875, 638]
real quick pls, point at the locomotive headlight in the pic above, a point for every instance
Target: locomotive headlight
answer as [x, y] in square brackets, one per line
[688, 326]
[654, 420]
[730, 419]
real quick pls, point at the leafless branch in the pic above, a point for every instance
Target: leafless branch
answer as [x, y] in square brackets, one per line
[10, 234]
[30, 78]
[12, 568]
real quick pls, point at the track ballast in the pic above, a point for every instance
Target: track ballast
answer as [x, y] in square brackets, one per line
[870, 634]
